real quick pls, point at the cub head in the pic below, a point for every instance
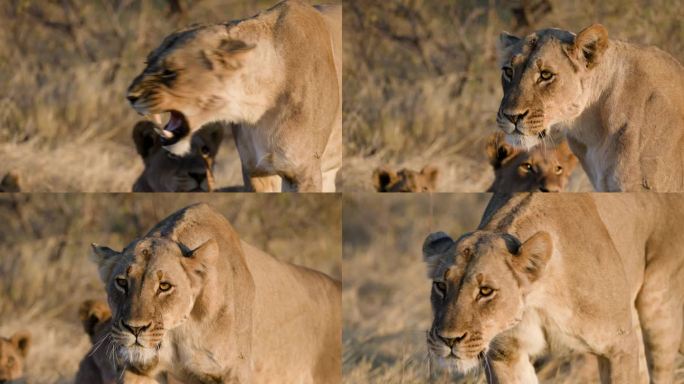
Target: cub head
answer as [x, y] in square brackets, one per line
[197, 75]
[97, 366]
[11, 182]
[541, 168]
[95, 316]
[167, 172]
[544, 79]
[479, 287]
[13, 353]
[151, 288]
[406, 180]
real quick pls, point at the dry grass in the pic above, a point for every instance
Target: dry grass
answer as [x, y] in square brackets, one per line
[64, 69]
[422, 84]
[45, 272]
[386, 290]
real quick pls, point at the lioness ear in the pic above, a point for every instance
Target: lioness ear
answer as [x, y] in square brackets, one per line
[382, 178]
[435, 246]
[145, 138]
[432, 173]
[201, 257]
[105, 258]
[506, 41]
[590, 44]
[533, 255]
[22, 341]
[498, 150]
[231, 52]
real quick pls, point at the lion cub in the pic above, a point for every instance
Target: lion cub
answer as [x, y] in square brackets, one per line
[166, 172]
[96, 367]
[11, 182]
[13, 353]
[406, 180]
[540, 169]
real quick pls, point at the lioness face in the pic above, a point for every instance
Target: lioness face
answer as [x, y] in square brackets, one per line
[151, 287]
[194, 75]
[406, 180]
[544, 78]
[13, 352]
[167, 172]
[543, 169]
[478, 290]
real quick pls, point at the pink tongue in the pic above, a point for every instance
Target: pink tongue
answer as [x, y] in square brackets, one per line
[174, 123]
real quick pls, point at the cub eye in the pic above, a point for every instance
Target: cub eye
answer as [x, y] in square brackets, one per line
[559, 170]
[508, 72]
[122, 283]
[546, 75]
[164, 287]
[440, 287]
[527, 167]
[486, 291]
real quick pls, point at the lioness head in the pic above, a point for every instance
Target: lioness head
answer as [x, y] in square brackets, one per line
[167, 172]
[406, 180]
[544, 77]
[151, 287]
[542, 168]
[195, 75]
[13, 353]
[478, 290]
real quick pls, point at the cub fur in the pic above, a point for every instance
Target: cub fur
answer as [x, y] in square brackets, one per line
[13, 352]
[98, 365]
[406, 180]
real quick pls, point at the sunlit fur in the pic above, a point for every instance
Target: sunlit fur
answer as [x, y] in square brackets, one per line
[13, 353]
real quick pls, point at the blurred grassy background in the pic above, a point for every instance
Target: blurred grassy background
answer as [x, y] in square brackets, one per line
[64, 68]
[422, 84]
[386, 292]
[45, 271]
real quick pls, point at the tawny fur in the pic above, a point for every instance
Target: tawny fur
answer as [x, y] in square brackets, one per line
[406, 180]
[13, 352]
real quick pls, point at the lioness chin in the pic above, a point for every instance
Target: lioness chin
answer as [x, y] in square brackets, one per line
[589, 273]
[276, 76]
[621, 104]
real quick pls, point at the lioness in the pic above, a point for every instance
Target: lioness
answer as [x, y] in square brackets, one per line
[13, 353]
[622, 105]
[277, 75]
[597, 273]
[541, 169]
[191, 299]
[166, 172]
[406, 180]
[97, 367]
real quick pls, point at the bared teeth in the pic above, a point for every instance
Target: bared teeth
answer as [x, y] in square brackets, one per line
[163, 133]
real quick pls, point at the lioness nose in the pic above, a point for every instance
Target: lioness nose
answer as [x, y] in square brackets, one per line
[451, 341]
[136, 329]
[516, 117]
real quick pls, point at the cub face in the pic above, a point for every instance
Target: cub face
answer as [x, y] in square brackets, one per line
[166, 172]
[541, 169]
[544, 79]
[406, 180]
[478, 285]
[13, 352]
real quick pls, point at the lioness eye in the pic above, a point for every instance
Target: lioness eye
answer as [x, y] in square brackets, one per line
[508, 72]
[559, 170]
[440, 287]
[121, 282]
[164, 287]
[486, 291]
[546, 75]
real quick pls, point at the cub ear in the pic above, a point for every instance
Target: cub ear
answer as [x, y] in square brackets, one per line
[92, 313]
[201, 257]
[105, 258]
[432, 174]
[22, 341]
[231, 53]
[498, 150]
[590, 44]
[211, 137]
[382, 178]
[533, 255]
[145, 138]
[435, 246]
[566, 156]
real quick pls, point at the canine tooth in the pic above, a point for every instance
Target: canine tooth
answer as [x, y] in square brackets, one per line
[163, 133]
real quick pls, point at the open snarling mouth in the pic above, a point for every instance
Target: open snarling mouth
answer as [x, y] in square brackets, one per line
[175, 129]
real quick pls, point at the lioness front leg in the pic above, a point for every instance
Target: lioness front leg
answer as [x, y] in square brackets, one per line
[514, 367]
[306, 178]
[129, 377]
[620, 365]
